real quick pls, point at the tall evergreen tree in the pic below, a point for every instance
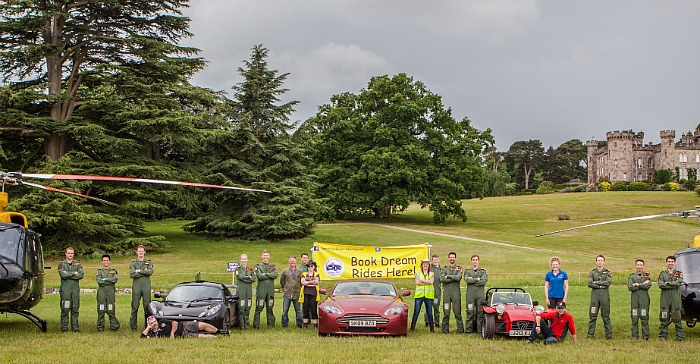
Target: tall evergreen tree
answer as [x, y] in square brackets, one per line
[256, 149]
[102, 88]
[57, 46]
[524, 157]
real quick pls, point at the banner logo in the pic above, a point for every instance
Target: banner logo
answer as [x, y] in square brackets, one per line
[334, 268]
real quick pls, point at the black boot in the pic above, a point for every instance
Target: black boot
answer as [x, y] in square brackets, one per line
[432, 327]
[413, 327]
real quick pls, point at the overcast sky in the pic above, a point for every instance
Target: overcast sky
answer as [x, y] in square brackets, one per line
[527, 69]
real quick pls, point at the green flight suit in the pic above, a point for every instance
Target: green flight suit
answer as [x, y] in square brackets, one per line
[140, 289]
[639, 307]
[245, 277]
[476, 280]
[451, 297]
[71, 274]
[265, 293]
[599, 282]
[106, 281]
[435, 269]
[670, 310]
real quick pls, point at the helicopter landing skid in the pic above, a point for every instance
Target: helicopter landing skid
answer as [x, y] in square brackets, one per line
[41, 324]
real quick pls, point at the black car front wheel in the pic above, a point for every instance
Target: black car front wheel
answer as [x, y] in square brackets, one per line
[226, 324]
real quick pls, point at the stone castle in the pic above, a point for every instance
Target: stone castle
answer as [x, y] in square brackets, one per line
[626, 158]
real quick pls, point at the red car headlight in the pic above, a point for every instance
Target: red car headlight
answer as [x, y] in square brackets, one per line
[393, 311]
[500, 308]
[332, 309]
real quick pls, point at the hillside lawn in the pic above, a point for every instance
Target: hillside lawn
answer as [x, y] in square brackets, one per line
[511, 220]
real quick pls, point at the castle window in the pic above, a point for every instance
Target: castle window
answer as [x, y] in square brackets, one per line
[639, 177]
[697, 158]
[624, 177]
[639, 162]
[615, 163]
[650, 163]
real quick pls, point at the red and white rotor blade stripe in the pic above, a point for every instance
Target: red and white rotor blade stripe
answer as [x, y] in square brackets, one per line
[48, 188]
[79, 177]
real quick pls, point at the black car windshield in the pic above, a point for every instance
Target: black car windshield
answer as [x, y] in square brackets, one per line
[189, 293]
[12, 244]
[365, 288]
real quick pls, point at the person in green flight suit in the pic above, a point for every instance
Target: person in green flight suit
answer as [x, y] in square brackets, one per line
[245, 277]
[71, 272]
[599, 280]
[450, 277]
[265, 291]
[140, 270]
[639, 283]
[476, 279]
[107, 278]
[670, 282]
[435, 269]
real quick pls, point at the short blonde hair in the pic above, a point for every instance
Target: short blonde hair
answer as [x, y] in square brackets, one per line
[554, 259]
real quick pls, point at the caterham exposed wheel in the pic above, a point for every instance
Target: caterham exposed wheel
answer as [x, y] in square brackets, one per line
[488, 328]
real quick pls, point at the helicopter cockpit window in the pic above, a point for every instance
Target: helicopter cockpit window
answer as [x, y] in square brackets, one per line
[12, 245]
[689, 264]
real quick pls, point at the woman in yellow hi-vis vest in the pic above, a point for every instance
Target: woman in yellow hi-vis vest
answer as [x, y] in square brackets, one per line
[425, 293]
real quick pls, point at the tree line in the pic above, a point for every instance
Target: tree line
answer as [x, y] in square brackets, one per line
[103, 88]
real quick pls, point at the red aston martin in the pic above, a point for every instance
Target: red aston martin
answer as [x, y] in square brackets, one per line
[357, 307]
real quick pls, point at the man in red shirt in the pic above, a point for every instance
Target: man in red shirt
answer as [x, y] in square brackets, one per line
[562, 322]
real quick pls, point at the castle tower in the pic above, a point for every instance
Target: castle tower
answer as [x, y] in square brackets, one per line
[667, 156]
[592, 146]
[621, 161]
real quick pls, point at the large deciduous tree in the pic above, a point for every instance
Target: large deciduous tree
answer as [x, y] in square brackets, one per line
[393, 143]
[57, 46]
[524, 156]
[255, 149]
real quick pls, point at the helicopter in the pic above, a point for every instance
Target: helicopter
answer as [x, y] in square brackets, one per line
[687, 261]
[21, 256]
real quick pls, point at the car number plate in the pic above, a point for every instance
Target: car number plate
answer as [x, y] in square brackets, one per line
[363, 323]
[520, 332]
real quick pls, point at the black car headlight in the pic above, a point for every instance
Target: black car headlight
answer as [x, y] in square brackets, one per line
[153, 309]
[212, 311]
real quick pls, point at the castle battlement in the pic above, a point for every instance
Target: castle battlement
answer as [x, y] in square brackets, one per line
[624, 135]
[668, 134]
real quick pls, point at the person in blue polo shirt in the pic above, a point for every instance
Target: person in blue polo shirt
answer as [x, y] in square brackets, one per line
[556, 284]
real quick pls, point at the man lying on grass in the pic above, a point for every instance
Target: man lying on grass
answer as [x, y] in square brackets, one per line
[561, 323]
[173, 329]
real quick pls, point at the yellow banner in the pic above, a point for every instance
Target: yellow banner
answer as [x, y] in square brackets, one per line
[338, 262]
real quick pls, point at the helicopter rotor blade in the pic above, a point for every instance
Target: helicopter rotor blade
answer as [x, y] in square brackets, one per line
[53, 189]
[620, 220]
[78, 177]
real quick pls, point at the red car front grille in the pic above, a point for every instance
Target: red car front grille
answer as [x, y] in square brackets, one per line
[364, 317]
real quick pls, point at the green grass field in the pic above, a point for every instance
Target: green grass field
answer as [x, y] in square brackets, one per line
[510, 220]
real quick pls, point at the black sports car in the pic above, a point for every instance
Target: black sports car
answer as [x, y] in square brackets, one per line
[204, 301]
